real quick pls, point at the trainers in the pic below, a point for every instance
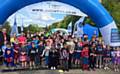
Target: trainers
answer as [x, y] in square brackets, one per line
[100, 67]
[117, 70]
[54, 68]
[105, 68]
[61, 71]
[97, 66]
[31, 67]
[51, 68]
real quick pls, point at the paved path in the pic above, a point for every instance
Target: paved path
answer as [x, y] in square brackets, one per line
[76, 71]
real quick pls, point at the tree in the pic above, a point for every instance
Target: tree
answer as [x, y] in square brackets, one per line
[113, 6]
[33, 28]
[7, 26]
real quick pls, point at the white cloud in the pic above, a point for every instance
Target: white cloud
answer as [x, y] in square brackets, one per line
[41, 18]
[37, 15]
[47, 17]
[19, 18]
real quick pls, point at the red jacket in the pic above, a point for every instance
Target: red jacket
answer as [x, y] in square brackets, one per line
[85, 52]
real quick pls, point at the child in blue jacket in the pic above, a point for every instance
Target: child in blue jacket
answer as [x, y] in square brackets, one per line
[9, 56]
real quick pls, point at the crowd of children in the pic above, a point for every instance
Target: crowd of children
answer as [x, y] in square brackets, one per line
[59, 50]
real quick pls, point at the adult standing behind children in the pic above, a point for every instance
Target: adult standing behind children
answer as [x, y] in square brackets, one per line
[4, 37]
[22, 39]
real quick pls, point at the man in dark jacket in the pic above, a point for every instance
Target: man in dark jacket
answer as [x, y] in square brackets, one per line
[3, 37]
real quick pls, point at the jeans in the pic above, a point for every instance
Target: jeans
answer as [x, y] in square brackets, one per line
[10, 64]
[99, 60]
[92, 62]
[65, 64]
[46, 60]
[37, 60]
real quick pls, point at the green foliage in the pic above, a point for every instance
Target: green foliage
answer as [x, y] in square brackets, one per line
[113, 6]
[64, 23]
[33, 28]
[7, 26]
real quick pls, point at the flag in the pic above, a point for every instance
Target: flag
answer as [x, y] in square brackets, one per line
[14, 29]
[69, 28]
[22, 27]
[79, 26]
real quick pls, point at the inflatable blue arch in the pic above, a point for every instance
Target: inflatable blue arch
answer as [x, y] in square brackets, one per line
[92, 8]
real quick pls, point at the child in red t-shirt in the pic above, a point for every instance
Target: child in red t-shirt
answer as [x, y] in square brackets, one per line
[85, 57]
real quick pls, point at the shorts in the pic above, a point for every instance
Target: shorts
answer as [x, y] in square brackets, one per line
[77, 55]
[32, 57]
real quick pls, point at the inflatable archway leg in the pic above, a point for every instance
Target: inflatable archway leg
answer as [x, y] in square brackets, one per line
[106, 33]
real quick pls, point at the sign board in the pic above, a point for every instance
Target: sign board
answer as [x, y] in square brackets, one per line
[55, 7]
[115, 35]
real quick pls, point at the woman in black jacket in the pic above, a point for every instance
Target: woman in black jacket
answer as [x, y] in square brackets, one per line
[53, 58]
